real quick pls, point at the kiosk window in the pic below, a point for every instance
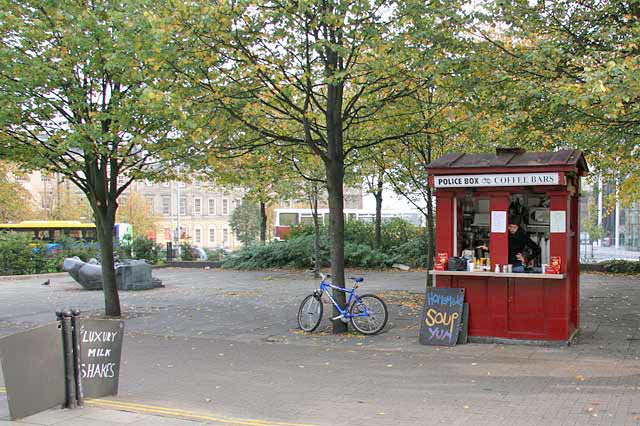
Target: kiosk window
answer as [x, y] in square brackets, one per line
[531, 212]
[473, 226]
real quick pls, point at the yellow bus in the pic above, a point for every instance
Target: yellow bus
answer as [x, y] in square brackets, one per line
[53, 230]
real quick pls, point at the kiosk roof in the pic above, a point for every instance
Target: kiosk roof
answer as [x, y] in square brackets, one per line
[512, 158]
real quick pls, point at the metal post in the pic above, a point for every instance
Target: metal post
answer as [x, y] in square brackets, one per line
[64, 318]
[77, 370]
[600, 189]
[178, 217]
[617, 217]
[169, 251]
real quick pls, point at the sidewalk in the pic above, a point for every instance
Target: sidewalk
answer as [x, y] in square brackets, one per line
[104, 412]
[223, 347]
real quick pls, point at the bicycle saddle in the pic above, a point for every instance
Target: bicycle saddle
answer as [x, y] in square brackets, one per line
[357, 279]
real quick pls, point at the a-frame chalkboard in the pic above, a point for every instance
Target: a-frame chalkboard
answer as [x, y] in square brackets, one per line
[441, 316]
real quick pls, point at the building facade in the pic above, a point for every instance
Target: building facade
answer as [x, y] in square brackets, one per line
[201, 209]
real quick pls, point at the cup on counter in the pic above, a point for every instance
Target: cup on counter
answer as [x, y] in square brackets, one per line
[509, 268]
[470, 266]
[544, 268]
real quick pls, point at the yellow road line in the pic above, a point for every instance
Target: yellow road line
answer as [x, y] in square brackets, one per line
[184, 414]
[151, 409]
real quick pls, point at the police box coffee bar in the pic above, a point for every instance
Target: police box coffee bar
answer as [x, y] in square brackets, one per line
[507, 233]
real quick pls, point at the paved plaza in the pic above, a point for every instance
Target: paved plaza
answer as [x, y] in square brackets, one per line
[222, 347]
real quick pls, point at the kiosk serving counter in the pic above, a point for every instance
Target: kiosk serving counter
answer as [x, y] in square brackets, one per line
[478, 199]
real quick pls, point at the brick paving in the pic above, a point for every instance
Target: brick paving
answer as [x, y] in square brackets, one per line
[226, 343]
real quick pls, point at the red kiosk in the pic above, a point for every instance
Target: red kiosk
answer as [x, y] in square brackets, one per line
[476, 196]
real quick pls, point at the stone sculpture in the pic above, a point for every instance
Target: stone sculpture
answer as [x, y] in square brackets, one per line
[130, 274]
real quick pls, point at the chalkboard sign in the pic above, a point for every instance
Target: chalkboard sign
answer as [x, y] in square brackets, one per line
[441, 316]
[100, 349]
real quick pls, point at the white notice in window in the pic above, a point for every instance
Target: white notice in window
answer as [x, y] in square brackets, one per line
[499, 222]
[558, 221]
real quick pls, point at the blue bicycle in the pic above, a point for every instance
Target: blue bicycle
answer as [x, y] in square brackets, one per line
[368, 313]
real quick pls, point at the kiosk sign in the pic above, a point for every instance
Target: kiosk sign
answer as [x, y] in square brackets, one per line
[503, 179]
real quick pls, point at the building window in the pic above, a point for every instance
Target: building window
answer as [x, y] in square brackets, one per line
[197, 184]
[225, 237]
[212, 235]
[150, 205]
[235, 204]
[121, 179]
[197, 235]
[225, 207]
[165, 184]
[166, 206]
[288, 219]
[183, 206]
[197, 206]
[182, 184]
[212, 206]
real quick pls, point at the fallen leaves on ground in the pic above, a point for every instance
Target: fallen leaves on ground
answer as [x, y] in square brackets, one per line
[406, 299]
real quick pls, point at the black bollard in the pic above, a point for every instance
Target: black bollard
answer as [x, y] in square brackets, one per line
[77, 370]
[67, 388]
[68, 359]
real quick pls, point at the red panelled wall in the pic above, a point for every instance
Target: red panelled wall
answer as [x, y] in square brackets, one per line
[510, 307]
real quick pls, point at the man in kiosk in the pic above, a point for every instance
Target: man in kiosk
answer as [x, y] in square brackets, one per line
[522, 250]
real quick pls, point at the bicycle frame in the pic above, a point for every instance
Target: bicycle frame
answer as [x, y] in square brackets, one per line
[324, 288]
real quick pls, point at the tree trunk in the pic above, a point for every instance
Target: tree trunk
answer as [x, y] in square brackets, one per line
[313, 201]
[334, 165]
[378, 225]
[335, 175]
[263, 222]
[105, 221]
[431, 232]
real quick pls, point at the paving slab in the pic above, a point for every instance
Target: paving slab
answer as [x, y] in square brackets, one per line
[224, 345]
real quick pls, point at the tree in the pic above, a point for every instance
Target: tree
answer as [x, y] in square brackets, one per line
[136, 212]
[303, 74]
[62, 203]
[374, 170]
[15, 201]
[589, 224]
[245, 221]
[77, 98]
[565, 73]
[264, 177]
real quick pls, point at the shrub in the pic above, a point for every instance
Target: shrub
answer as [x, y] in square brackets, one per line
[215, 255]
[186, 251]
[397, 232]
[20, 255]
[147, 249]
[17, 256]
[292, 253]
[361, 255]
[621, 266]
[401, 242]
[412, 252]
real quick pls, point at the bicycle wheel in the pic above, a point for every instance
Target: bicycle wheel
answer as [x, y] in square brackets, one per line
[377, 314]
[310, 313]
